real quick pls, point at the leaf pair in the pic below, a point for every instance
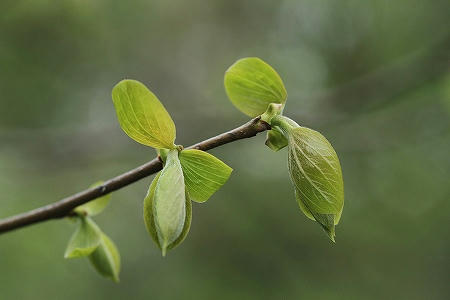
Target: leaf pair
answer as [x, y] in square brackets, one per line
[187, 174]
[88, 240]
[191, 175]
[256, 89]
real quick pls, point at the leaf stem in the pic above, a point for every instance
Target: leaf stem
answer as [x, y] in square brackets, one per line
[284, 124]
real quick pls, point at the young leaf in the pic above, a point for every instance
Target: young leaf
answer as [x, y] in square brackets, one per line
[150, 220]
[142, 116]
[169, 204]
[316, 174]
[315, 171]
[85, 239]
[204, 174]
[275, 140]
[106, 258]
[95, 207]
[251, 84]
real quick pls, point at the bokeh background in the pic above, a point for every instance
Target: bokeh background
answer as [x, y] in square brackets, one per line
[372, 76]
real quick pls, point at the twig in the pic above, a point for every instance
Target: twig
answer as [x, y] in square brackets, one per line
[65, 206]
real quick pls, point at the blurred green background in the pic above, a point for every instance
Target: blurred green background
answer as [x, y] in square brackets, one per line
[372, 76]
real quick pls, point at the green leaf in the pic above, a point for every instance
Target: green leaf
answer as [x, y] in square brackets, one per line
[204, 174]
[315, 171]
[316, 174]
[169, 204]
[106, 258]
[142, 116]
[95, 207]
[150, 220]
[84, 240]
[251, 84]
[275, 140]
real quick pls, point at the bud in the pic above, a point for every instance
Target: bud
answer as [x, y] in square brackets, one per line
[316, 173]
[167, 208]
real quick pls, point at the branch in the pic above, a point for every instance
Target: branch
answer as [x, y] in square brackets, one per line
[65, 206]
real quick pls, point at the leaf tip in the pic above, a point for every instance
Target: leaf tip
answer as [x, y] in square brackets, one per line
[164, 250]
[333, 238]
[330, 231]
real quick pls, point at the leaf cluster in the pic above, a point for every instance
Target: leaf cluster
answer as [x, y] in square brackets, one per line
[90, 241]
[255, 88]
[188, 174]
[191, 175]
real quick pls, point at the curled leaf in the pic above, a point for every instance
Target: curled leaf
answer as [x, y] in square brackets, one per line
[95, 207]
[169, 203]
[316, 174]
[106, 258]
[203, 173]
[85, 239]
[251, 84]
[150, 220]
[275, 140]
[142, 116]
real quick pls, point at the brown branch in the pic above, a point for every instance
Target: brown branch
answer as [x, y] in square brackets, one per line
[65, 206]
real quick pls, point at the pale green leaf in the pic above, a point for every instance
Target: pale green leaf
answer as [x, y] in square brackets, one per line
[142, 116]
[106, 258]
[275, 140]
[85, 239]
[316, 174]
[315, 171]
[251, 84]
[169, 205]
[204, 174]
[150, 220]
[96, 206]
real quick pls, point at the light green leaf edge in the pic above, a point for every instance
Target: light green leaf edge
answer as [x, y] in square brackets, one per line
[84, 240]
[169, 204]
[150, 221]
[203, 173]
[106, 258]
[142, 116]
[326, 221]
[95, 207]
[251, 84]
